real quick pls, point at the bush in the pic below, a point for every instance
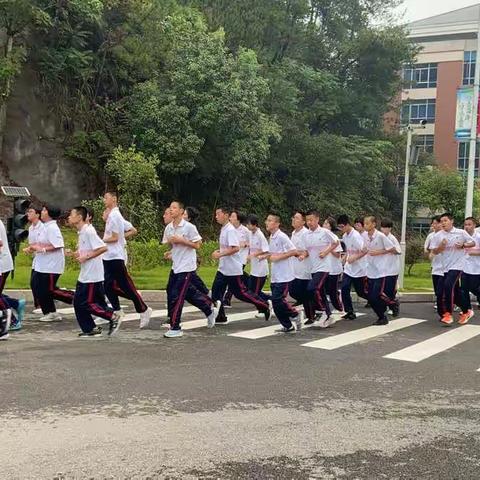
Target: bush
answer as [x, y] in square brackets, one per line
[414, 251]
[148, 255]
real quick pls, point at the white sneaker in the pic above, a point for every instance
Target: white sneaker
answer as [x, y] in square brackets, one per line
[299, 319]
[173, 334]
[145, 317]
[270, 307]
[49, 317]
[115, 323]
[213, 316]
[100, 321]
[389, 311]
[259, 315]
[329, 321]
[4, 335]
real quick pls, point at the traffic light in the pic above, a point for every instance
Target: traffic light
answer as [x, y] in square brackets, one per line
[17, 223]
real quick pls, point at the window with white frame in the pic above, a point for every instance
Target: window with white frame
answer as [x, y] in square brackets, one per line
[425, 143]
[469, 61]
[417, 110]
[422, 75]
[463, 153]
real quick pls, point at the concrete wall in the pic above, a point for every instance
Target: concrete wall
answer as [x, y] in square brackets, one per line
[32, 153]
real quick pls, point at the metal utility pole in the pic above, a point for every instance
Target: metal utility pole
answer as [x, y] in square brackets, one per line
[473, 133]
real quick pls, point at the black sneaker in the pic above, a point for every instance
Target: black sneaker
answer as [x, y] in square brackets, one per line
[5, 321]
[96, 332]
[309, 321]
[286, 330]
[381, 321]
[349, 316]
[395, 309]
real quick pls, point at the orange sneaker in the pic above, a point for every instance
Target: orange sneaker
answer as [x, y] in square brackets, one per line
[465, 317]
[447, 319]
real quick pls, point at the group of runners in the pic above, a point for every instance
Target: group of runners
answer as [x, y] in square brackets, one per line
[312, 271]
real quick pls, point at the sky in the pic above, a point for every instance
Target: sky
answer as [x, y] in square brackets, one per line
[417, 9]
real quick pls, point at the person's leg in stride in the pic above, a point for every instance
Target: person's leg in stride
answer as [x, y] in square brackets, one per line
[284, 312]
[12, 304]
[450, 293]
[333, 282]
[256, 284]
[219, 287]
[389, 294]
[239, 290]
[375, 288]
[44, 296]
[318, 293]
[120, 284]
[298, 290]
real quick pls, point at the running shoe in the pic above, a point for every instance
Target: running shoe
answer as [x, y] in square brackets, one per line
[96, 332]
[465, 317]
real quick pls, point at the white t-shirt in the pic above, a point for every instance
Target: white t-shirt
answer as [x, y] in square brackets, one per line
[91, 271]
[355, 244]
[34, 235]
[377, 266]
[52, 261]
[230, 265]
[472, 263]
[452, 258]
[244, 237]
[258, 244]
[336, 266]
[184, 258]
[301, 268]
[115, 224]
[6, 261]
[437, 260]
[393, 264]
[282, 271]
[317, 241]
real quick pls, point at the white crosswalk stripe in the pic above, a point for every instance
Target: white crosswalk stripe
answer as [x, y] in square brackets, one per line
[433, 346]
[63, 311]
[236, 317]
[355, 336]
[263, 332]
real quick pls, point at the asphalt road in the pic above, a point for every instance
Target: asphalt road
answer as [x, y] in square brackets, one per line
[215, 406]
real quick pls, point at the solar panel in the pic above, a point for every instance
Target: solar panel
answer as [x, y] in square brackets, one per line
[10, 191]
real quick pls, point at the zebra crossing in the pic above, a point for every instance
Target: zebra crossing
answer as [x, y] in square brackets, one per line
[440, 343]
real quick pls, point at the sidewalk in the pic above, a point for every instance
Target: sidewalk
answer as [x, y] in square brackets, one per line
[161, 296]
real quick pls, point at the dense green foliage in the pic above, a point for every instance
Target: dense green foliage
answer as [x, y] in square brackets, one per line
[264, 104]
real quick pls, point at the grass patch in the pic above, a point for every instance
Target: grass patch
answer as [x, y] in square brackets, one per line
[157, 278]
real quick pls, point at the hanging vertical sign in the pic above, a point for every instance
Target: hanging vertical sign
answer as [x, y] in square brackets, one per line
[464, 116]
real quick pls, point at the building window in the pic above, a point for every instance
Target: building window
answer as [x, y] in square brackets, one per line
[418, 110]
[463, 153]
[469, 60]
[422, 75]
[425, 143]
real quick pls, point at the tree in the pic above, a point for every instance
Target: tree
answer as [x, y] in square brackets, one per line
[442, 190]
[136, 180]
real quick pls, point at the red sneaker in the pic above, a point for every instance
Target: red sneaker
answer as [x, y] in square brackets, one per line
[447, 319]
[465, 317]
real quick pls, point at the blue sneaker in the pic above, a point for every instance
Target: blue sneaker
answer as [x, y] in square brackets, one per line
[22, 303]
[173, 334]
[15, 325]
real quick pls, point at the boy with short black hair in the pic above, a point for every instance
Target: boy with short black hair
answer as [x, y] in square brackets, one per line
[450, 243]
[49, 265]
[89, 296]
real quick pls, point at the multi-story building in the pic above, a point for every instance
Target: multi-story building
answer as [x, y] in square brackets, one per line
[446, 61]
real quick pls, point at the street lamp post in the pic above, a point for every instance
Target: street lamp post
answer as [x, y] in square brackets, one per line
[403, 237]
[403, 243]
[473, 133]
